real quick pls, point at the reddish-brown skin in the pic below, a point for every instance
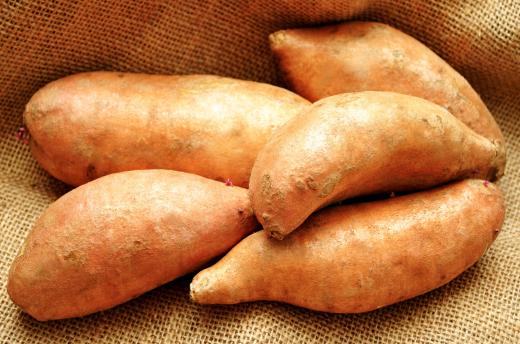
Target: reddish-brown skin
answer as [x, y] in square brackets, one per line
[362, 143]
[368, 56]
[361, 257]
[119, 236]
[88, 125]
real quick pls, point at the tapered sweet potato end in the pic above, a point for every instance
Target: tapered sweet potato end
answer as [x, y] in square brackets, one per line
[207, 290]
[261, 202]
[19, 289]
[13, 286]
[198, 290]
[274, 232]
[499, 163]
[277, 39]
[285, 46]
[217, 285]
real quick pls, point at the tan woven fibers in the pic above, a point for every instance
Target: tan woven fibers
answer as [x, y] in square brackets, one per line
[43, 40]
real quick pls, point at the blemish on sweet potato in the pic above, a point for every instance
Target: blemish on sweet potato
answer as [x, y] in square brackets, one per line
[330, 184]
[91, 172]
[266, 184]
[278, 195]
[300, 185]
[33, 114]
[311, 184]
[274, 232]
[176, 144]
[71, 256]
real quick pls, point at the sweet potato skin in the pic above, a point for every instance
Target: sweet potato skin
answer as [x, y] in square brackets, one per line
[370, 56]
[119, 236]
[362, 143]
[91, 124]
[357, 258]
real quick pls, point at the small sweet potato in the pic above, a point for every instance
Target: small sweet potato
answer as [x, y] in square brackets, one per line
[368, 56]
[119, 236]
[357, 258]
[88, 125]
[362, 143]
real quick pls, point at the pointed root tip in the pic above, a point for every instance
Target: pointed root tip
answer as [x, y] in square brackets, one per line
[277, 38]
[274, 233]
[198, 288]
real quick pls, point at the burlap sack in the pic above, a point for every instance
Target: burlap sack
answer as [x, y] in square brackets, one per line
[43, 40]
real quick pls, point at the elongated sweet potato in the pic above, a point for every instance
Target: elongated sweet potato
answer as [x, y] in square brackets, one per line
[91, 124]
[362, 143]
[357, 258]
[119, 236]
[368, 56]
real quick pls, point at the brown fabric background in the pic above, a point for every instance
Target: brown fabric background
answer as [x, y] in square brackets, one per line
[44, 40]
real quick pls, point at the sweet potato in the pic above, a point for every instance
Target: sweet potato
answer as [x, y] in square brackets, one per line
[356, 258]
[119, 236]
[88, 125]
[362, 143]
[368, 56]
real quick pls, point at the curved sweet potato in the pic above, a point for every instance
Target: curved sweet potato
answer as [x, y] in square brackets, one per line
[360, 257]
[368, 56]
[88, 125]
[362, 143]
[119, 236]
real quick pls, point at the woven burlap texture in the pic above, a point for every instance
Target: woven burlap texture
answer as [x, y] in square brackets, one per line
[44, 40]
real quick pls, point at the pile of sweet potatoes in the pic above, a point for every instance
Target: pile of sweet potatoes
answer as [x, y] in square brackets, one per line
[162, 164]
